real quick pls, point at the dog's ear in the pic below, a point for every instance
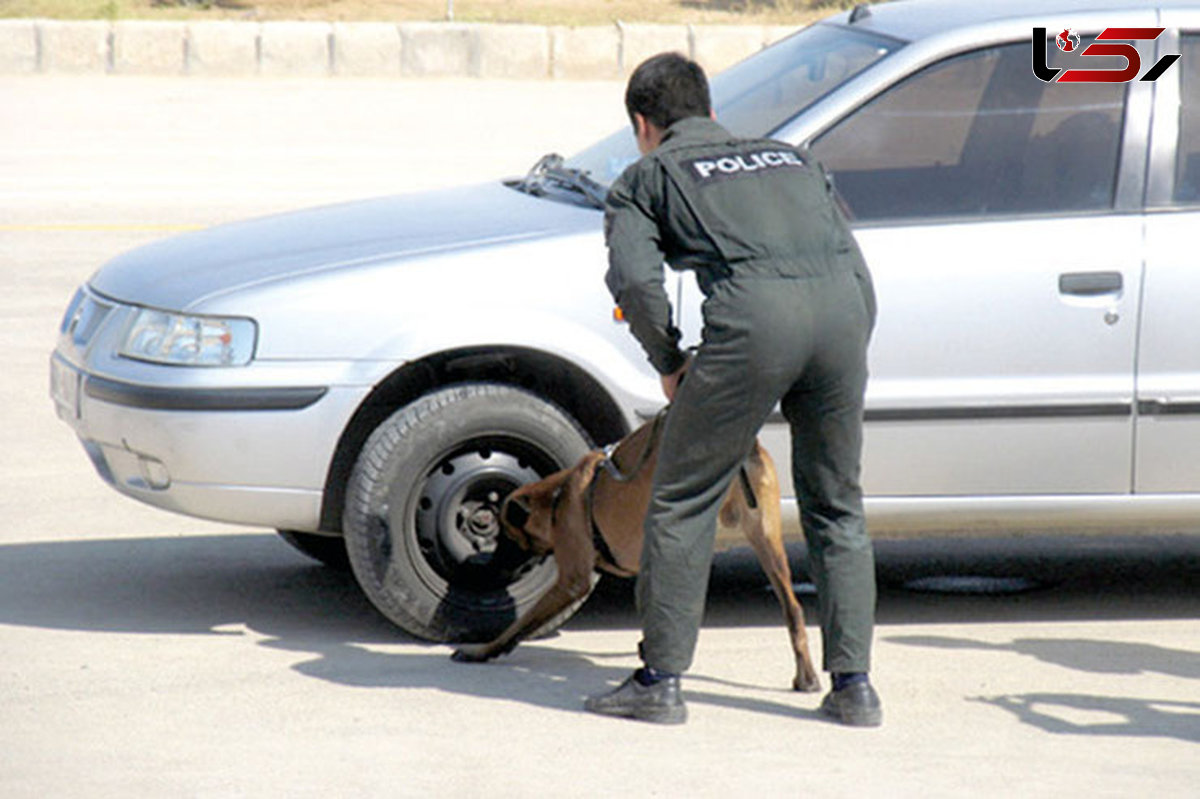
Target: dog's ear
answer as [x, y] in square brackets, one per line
[543, 491]
[575, 491]
[571, 528]
[585, 472]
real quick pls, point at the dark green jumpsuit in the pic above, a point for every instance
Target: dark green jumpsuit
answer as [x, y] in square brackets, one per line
[788, 312]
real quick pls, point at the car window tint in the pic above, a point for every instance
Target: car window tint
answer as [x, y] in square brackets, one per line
[975, 135]
[1187, 158]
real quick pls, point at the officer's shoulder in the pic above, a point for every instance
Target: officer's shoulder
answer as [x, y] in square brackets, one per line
[631, 173]
[637, 182]
[803, 151]
[777, 144]
[752, 144]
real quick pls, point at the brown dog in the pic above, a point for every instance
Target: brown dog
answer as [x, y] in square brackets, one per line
[591, 518]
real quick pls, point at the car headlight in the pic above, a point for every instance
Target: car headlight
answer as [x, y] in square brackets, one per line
[183, 340]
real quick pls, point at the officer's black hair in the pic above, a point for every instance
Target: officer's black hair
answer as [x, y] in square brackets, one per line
[666, 88]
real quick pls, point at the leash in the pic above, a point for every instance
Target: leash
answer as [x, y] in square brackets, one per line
[610, 466]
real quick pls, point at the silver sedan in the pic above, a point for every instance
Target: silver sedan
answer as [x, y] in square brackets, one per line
[373, 378]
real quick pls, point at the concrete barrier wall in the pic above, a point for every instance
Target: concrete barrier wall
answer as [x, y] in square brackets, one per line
[375, 49]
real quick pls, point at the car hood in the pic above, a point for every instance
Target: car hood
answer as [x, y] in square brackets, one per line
[181, 272]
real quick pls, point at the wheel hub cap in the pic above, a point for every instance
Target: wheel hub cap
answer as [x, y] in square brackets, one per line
[458, 514]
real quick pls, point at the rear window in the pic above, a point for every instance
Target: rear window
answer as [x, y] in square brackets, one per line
[978, 135]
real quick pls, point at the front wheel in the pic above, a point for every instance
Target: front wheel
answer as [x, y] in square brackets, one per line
[422, 516]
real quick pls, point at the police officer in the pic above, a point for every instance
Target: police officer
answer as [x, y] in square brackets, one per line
[788, 313]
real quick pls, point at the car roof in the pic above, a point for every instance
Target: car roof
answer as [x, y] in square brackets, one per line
[917, 19]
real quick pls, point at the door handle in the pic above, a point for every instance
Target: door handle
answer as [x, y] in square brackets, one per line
[1090, 284]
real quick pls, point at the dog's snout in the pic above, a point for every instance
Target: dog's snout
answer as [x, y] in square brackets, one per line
[514, 513]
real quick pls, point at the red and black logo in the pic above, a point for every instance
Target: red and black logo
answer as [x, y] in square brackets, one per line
[1110, 42]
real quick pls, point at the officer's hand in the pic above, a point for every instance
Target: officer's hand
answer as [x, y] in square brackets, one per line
[670, 383]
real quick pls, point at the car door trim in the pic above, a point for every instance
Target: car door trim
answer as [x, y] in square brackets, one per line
[1162, 407]
[1001, 412]
[1108, 410]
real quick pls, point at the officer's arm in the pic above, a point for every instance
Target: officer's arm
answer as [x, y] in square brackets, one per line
[635, 272]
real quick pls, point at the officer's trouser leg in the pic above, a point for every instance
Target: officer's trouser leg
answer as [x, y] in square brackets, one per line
[804, 341]
[825, 412]
[709, 431]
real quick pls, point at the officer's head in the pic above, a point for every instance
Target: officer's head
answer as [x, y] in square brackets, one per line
[663, 90]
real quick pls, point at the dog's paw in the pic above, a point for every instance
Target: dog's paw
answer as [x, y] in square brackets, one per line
[472, 653]
[810, 685]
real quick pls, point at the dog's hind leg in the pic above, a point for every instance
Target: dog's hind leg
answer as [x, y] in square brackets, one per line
[764, 530]
[771, 554]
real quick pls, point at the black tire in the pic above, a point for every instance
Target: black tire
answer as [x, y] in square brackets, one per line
[330, 550]
[422, 509]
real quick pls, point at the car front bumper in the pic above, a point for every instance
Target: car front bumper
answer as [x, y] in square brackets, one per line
[244, 445]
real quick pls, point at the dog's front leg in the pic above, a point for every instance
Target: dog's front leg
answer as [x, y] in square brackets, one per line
[569, 589]
[574, 554]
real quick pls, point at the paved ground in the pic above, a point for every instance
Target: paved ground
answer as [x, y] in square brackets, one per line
[143, 654]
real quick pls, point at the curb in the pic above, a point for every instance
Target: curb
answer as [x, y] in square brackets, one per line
[364, 49]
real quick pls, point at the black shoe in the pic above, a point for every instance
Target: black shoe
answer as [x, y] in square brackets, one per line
[660, 703]
[856, 705]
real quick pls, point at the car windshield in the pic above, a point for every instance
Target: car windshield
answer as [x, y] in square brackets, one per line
[757, 96]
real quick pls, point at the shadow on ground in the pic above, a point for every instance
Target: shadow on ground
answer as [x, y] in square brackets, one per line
[1081, 714]
[221, 585]
[216, 585]
[200, 584]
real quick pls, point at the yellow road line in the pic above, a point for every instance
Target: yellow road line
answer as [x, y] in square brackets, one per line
[99, 228]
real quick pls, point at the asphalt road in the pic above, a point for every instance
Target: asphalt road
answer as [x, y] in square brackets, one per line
[144, 654]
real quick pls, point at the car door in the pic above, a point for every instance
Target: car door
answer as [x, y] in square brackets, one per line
[1168, 375]
[1006, 245]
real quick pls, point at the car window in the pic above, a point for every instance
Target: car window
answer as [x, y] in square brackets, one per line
[1187, 158]
[757, 96]
[976, 135]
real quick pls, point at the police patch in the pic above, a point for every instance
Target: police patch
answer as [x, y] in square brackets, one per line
[723, 167]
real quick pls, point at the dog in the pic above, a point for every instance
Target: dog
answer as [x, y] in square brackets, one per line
[590, 517]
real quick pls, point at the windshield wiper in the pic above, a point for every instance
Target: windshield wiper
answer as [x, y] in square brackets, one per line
[549, 170]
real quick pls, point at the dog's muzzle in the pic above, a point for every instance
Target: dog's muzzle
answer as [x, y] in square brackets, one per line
[515, 514]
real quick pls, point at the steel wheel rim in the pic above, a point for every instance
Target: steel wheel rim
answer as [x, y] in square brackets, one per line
[455, 517]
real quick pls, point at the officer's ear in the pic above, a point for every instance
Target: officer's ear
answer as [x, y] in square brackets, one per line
[641, 131]
[648, 134]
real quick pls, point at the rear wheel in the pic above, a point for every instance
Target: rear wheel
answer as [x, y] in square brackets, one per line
[422, 521]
